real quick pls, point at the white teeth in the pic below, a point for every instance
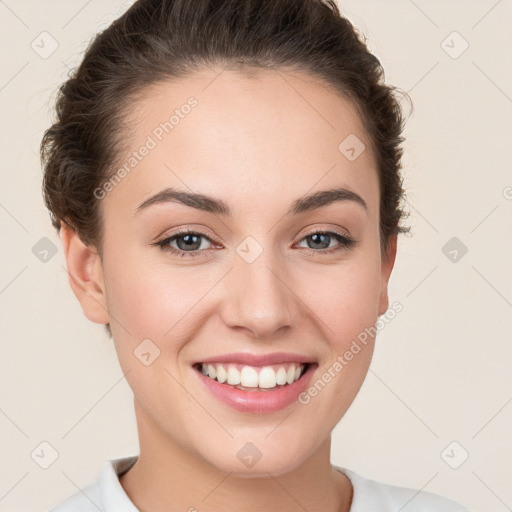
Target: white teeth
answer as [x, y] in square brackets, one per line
[253, 377]
[290, 374]
[222, 374]
[212, 372]
[249, 377]
[281, 376]
[267, 377]
[233, 376]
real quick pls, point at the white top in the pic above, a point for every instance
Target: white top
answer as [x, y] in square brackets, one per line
[108, 495]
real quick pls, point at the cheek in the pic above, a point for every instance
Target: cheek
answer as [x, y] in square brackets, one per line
[151, 306]
[149, 299]
[155, 299]
[347, 309]
[345, 300]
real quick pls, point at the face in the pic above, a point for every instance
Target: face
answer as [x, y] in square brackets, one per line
[259, 272]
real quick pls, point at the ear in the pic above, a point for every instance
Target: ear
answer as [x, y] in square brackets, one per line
[387, 266]
[85, 273]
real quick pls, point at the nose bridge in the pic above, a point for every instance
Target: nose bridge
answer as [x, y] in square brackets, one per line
[257, 297]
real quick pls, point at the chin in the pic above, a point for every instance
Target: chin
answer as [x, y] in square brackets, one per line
[248, 459]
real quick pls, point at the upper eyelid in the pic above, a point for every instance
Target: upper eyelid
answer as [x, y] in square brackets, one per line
[188, 231]
[325, 230]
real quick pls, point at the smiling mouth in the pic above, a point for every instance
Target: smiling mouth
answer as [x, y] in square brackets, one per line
[254, 378]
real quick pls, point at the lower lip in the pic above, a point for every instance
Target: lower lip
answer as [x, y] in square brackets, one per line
[257, 401]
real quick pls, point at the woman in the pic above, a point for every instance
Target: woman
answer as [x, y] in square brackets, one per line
[225, 176]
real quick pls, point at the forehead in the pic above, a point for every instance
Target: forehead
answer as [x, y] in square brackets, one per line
[258, 102]
[239, 135]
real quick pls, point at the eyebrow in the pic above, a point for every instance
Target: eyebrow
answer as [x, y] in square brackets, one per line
[219, 207]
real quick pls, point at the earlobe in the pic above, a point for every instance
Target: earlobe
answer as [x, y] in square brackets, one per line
[387, 266]
[85, 273]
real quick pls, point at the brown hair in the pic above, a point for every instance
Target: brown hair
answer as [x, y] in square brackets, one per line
[158, 40]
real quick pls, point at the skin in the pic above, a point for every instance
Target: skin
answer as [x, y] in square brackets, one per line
[258, 143]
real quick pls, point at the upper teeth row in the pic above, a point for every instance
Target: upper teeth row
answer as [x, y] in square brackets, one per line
[252, 377]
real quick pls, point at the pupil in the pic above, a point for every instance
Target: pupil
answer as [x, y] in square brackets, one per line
[190, 240]
[316, 237]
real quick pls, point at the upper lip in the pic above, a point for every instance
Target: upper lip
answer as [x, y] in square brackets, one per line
[258, 359]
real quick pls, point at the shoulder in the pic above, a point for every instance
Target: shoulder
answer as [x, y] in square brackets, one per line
[87, 499]
[106, 494]
[371, 494]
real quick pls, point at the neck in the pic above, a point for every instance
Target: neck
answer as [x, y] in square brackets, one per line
[168, 477]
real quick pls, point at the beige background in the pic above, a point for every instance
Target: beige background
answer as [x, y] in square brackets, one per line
[441, 370]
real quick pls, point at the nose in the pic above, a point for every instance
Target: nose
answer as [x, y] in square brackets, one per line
[258, 298]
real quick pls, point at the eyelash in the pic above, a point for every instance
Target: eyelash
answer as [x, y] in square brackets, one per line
[345, 243]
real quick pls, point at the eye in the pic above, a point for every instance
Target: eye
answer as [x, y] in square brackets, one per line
[187, 242]
[190, 243]
[320, 241]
